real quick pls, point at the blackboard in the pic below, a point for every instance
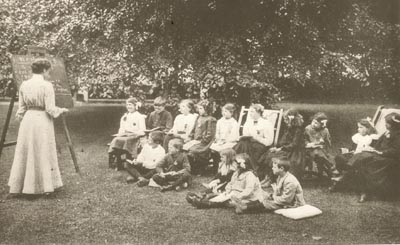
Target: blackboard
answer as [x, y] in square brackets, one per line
[21, 65]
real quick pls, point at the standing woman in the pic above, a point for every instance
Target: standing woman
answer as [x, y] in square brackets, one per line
[35, 166]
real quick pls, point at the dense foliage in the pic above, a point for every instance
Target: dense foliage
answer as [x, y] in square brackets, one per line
[231, 50]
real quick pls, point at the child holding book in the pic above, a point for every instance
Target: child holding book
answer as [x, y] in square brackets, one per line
[318, 144]
[132, 127]
[144, 167]
[173, 170]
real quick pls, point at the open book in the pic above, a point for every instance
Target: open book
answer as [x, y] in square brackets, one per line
[128, 135]
[153, 129]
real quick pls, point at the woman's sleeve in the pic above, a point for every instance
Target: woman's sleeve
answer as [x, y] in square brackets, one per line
[393, 151]
[21, 106]
[355, 138]
[50, 102]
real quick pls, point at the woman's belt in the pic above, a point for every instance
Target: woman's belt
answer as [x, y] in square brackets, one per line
[35, 108]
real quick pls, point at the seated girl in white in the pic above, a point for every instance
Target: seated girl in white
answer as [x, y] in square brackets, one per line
[366, 133]
[227, 132]
[183, 123]
[132, 126]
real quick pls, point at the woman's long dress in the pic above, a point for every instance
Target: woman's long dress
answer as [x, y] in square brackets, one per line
[380, 173]
[35, 167]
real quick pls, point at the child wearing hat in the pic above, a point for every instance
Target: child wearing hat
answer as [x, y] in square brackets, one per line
[144, 167]
[132, 127]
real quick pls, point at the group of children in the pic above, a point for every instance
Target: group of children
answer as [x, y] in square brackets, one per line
[176, 149]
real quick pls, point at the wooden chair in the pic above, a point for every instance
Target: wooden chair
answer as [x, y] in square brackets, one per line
[379, 118]
[273, 116]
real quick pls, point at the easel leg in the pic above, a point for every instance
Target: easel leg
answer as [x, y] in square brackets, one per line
[70, 146]
[7, 123]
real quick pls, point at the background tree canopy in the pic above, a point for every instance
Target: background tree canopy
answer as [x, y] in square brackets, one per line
[232, 50]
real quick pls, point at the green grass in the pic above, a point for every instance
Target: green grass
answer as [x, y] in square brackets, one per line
[100, 207]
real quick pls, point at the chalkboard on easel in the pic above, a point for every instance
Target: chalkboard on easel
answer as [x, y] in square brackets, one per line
[22, 71]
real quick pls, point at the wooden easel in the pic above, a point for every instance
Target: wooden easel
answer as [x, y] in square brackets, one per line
[34, 51]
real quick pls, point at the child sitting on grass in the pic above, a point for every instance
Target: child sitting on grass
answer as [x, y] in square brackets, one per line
[224, 175]
[173, 167]
[144, 167]
[244, 186]
[287, 191]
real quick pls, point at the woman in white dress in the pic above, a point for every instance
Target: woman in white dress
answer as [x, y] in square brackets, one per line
[35, 166]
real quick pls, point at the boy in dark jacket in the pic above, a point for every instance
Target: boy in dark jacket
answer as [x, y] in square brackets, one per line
[173, 170]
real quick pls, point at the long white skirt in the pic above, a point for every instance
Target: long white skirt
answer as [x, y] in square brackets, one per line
[35, 167]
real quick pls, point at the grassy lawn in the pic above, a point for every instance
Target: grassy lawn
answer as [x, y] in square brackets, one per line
[99, 207]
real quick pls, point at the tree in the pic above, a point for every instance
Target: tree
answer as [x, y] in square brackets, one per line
[230, 50]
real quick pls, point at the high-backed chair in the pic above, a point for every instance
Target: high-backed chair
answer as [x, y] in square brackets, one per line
[273, 116]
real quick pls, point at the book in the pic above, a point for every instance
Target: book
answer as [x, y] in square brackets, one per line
[153, 129]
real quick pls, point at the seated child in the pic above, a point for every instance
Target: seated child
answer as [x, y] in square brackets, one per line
[318, 142]
[224, 175]
[363, 139]
[290, 145]
[227, 131]
[287, 191]
[160, 119]
[183, 123]
[144, 167]
[201, 137]
[244, 186]
[173, 167]
[132, 127]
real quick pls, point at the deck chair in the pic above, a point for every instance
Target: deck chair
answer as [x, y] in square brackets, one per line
[273, 116]
[379, 118]
[142, 142]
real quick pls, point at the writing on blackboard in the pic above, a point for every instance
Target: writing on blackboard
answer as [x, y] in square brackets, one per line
[22, 71]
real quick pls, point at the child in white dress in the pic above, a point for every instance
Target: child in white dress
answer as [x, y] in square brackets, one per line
[227, 132]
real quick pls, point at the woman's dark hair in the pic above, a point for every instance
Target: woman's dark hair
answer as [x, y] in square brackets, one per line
[295, 119]
[393, 119]
[40, 65]
[258, 108]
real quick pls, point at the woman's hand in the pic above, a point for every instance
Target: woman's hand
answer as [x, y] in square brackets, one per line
[64, 110]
